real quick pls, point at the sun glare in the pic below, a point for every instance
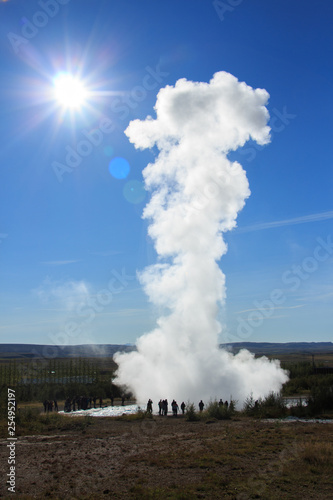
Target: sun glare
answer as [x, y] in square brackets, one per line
[69, 91]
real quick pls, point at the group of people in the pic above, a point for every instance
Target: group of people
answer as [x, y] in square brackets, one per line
[81, 403]
[49, 405]
[225, 404]
[85, 403]
[78, 403]
[163, 406]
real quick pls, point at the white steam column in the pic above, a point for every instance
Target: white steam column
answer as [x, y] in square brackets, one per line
[196, 196]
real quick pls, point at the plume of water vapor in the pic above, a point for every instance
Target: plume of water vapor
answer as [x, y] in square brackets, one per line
[197, 193]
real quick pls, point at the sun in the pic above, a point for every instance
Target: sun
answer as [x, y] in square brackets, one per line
[69, 91]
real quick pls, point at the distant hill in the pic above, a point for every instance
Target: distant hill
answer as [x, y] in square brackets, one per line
[280, 348]
[68, 351]
[25, 351]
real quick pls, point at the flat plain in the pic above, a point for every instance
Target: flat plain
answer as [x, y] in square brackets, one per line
[172, 458]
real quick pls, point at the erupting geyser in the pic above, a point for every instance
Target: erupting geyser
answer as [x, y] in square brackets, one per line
[196, 196]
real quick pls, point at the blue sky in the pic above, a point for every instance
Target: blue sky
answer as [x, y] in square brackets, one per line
[71, 234]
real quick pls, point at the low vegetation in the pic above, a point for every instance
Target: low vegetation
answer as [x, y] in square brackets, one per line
[214, 410]
[40, 379]
[219, 452]
[31, 421]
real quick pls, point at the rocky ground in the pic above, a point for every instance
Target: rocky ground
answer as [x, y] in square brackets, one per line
[166, 457]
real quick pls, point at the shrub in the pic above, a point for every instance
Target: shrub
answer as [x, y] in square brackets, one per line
[300, 410]
[220, 412]
[272, 406]
[250, 406]
[191, 414]
[321, 399]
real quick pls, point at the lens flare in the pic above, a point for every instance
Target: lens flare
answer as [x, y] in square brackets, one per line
[134, 192]
[119, 168]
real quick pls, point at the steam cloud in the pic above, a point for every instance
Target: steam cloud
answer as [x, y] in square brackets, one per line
[196, 196]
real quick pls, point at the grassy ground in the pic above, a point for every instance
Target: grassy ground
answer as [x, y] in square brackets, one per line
[320, 359]
[172, 458]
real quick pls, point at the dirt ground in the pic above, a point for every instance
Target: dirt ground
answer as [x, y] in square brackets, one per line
[168, 457]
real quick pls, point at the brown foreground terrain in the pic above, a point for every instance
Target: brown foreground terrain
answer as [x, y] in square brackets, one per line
[171, 458]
